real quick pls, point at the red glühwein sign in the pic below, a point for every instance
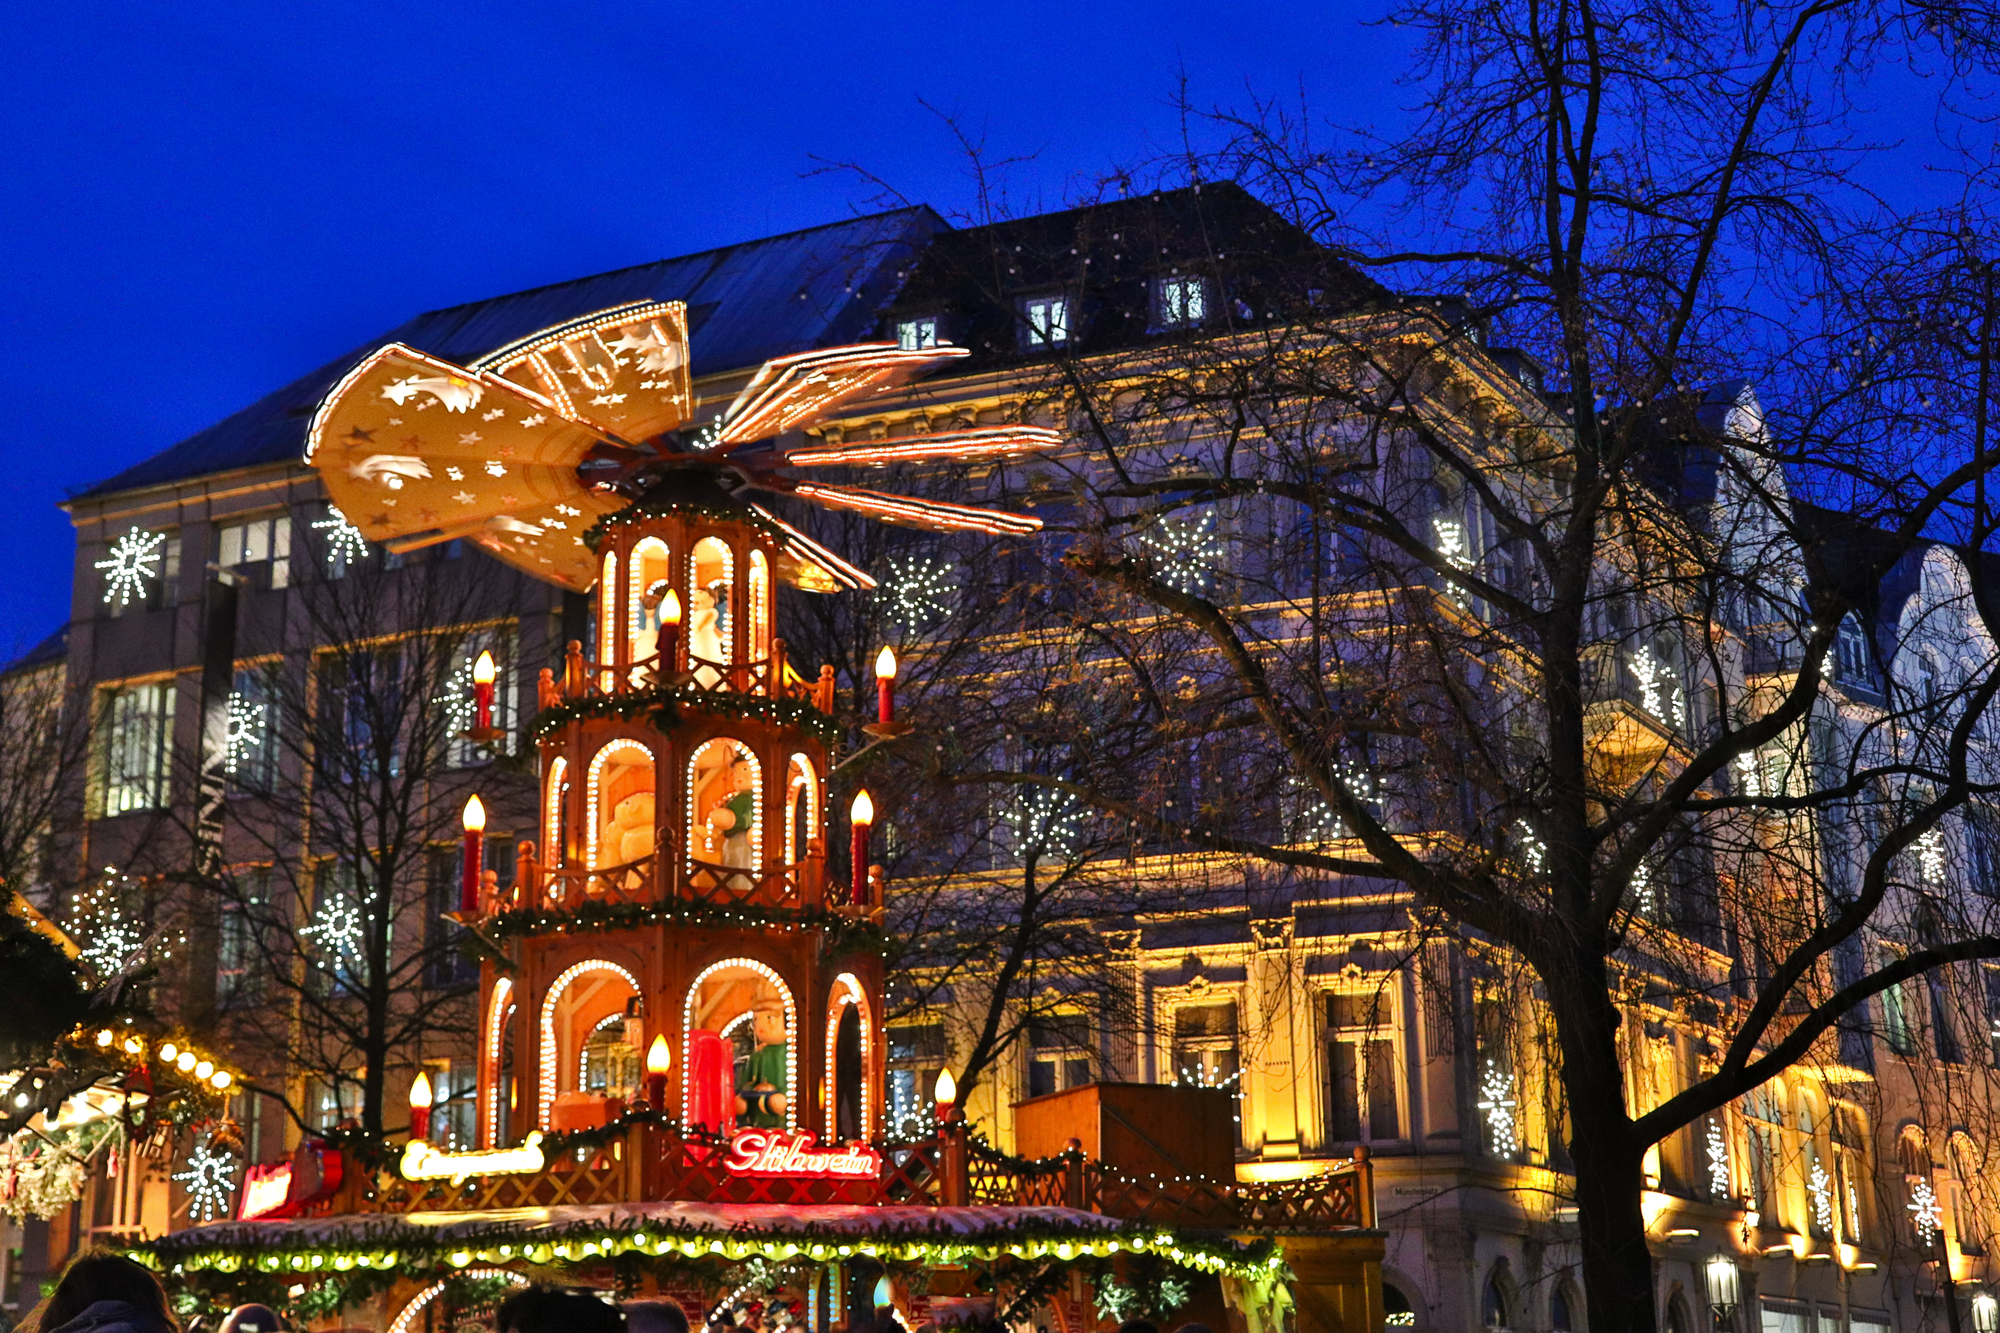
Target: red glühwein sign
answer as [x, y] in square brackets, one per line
[774, 1152]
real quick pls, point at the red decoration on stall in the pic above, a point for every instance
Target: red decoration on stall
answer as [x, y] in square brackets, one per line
[775, 1152]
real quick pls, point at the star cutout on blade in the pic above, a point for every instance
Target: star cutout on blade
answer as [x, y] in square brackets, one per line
[360, 436]
[465, 497]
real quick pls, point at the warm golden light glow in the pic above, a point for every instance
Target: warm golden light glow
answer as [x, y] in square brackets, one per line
[203, 1069]
[423, 1162]
[863, 809]
[475, 816]
[420, 1092]
[185, 1061]
[670, 608]
[947, 1088]
[659, 1055]
[221, 1079]
[885, 664]
[482, 670]
[168, 1051]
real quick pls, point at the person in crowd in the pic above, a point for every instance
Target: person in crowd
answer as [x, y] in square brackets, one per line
[102, 1292]
[552, 1310]
[655, 1316]
[253, 1319]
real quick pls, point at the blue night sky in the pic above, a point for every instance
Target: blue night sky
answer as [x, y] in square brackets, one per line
[199, 203]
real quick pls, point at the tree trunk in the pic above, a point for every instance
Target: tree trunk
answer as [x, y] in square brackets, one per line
[1610, 1164]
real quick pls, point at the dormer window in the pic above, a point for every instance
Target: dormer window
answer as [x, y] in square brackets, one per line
[913, 335]
[1180, 302]
[1045, 321]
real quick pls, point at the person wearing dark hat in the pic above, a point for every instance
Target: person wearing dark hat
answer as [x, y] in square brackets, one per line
[655, 1316]
[253, 1319]
[551, 1310]
[102, 1292]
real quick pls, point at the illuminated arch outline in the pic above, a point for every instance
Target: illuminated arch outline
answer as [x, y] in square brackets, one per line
[597, 761]
[799, 772]
[734, 747]
[607, 611]
[760, 606]
[769, 974]
[636, 572]
[847, 990]
[552, 818]
[547, 1071]
[408, 1316]
[496, 1038]
[727, 634]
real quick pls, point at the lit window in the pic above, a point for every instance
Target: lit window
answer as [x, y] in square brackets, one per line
[1180, 302]
[1363, 1101]
[261, 550]
[1046, 319]
[136, 730]
[916, 1056]
[915, 334]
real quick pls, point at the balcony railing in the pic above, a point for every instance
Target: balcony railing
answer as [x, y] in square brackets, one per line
[773, 677]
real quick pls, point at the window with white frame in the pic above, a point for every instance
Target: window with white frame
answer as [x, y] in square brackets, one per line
[1205, 1051]
[913, 335]
[1897, 1029]
[1058, 1053]
[1764, 1121]
[1045, 321]
[1180, 301]
[135, 739]
[1363, 1091]
[458, 700]
[916, 1057]
[259, 549]
[239, 982]
[1850, 1170]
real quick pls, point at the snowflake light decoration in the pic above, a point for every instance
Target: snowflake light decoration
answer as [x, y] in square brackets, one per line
[1644, 900]
[456, 702]
[1046, 822]
[1923, 1209]
[1930, 857]
[918, 591]
[1659, 693]
[1718, 1161]
[210, 1178]
[1534, 852]
[132, 566]
[1318, 822]
[1496, 1102]
[1449, 541]
[1184, 552]
[1820, 1186]
[244, 731]
[338, 928]
[107, 939]
[344, 543]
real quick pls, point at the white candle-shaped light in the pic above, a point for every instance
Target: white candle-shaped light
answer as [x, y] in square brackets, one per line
[420, 1106]
[946, 1094]
[475, 836]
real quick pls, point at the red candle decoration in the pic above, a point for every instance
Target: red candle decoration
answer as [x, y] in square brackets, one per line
[859, 818]
[658, 1057]
[885, 686]
[482, 692]
[475, 836]
[946, 1094]
[420, 1107]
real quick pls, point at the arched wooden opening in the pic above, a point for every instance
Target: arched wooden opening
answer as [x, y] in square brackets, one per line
[725, 806]
[711, 613]
[716, 1067]
[851, 1096]
[578, 1001]
[619, 808]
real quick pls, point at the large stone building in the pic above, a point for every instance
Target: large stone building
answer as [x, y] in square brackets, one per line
[1307, 1003]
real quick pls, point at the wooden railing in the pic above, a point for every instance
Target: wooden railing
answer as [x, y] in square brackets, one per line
[653, 879]
[588, 678]
[659, 1162]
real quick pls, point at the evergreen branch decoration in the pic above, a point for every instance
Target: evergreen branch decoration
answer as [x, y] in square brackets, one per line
[844, 933]
[659, 707]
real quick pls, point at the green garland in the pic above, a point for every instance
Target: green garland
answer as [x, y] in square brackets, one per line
[392, 1245]
[659, 705]
[845, 934]
[639, 513]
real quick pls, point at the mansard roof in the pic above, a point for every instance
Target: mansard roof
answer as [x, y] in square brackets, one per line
[746, 303]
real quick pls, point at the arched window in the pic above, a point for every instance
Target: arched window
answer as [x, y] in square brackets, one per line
[725, 802]
[740, 1064]
[850, 1101]
[607, 611]
[1397, 1309]
[618, 811]
[579, 1001]
[1678, 1319]
[650, 578]
[711, 620]
[554, 853]
[1968, 1193]
[801, 808]
[1493, 1308]
[1561, 1304]
[760, 607]
[499, 1045]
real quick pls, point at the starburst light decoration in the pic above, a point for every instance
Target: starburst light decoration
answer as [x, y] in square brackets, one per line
[1644, 900]
[1184, 552]
[1659, 693]
[344, 543]
[1534, 852]
[106, 937]
[1496, 1103]
[1318, 821]
[132, 566]
[1923, 1209]
[1718, 1161]
[918, 591]
[1820, 1186]
[1930, 857]
[338, 929]
[210, 1178]
[244, 733]
[456, 702]
[1046, 822]
[1449, 540]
